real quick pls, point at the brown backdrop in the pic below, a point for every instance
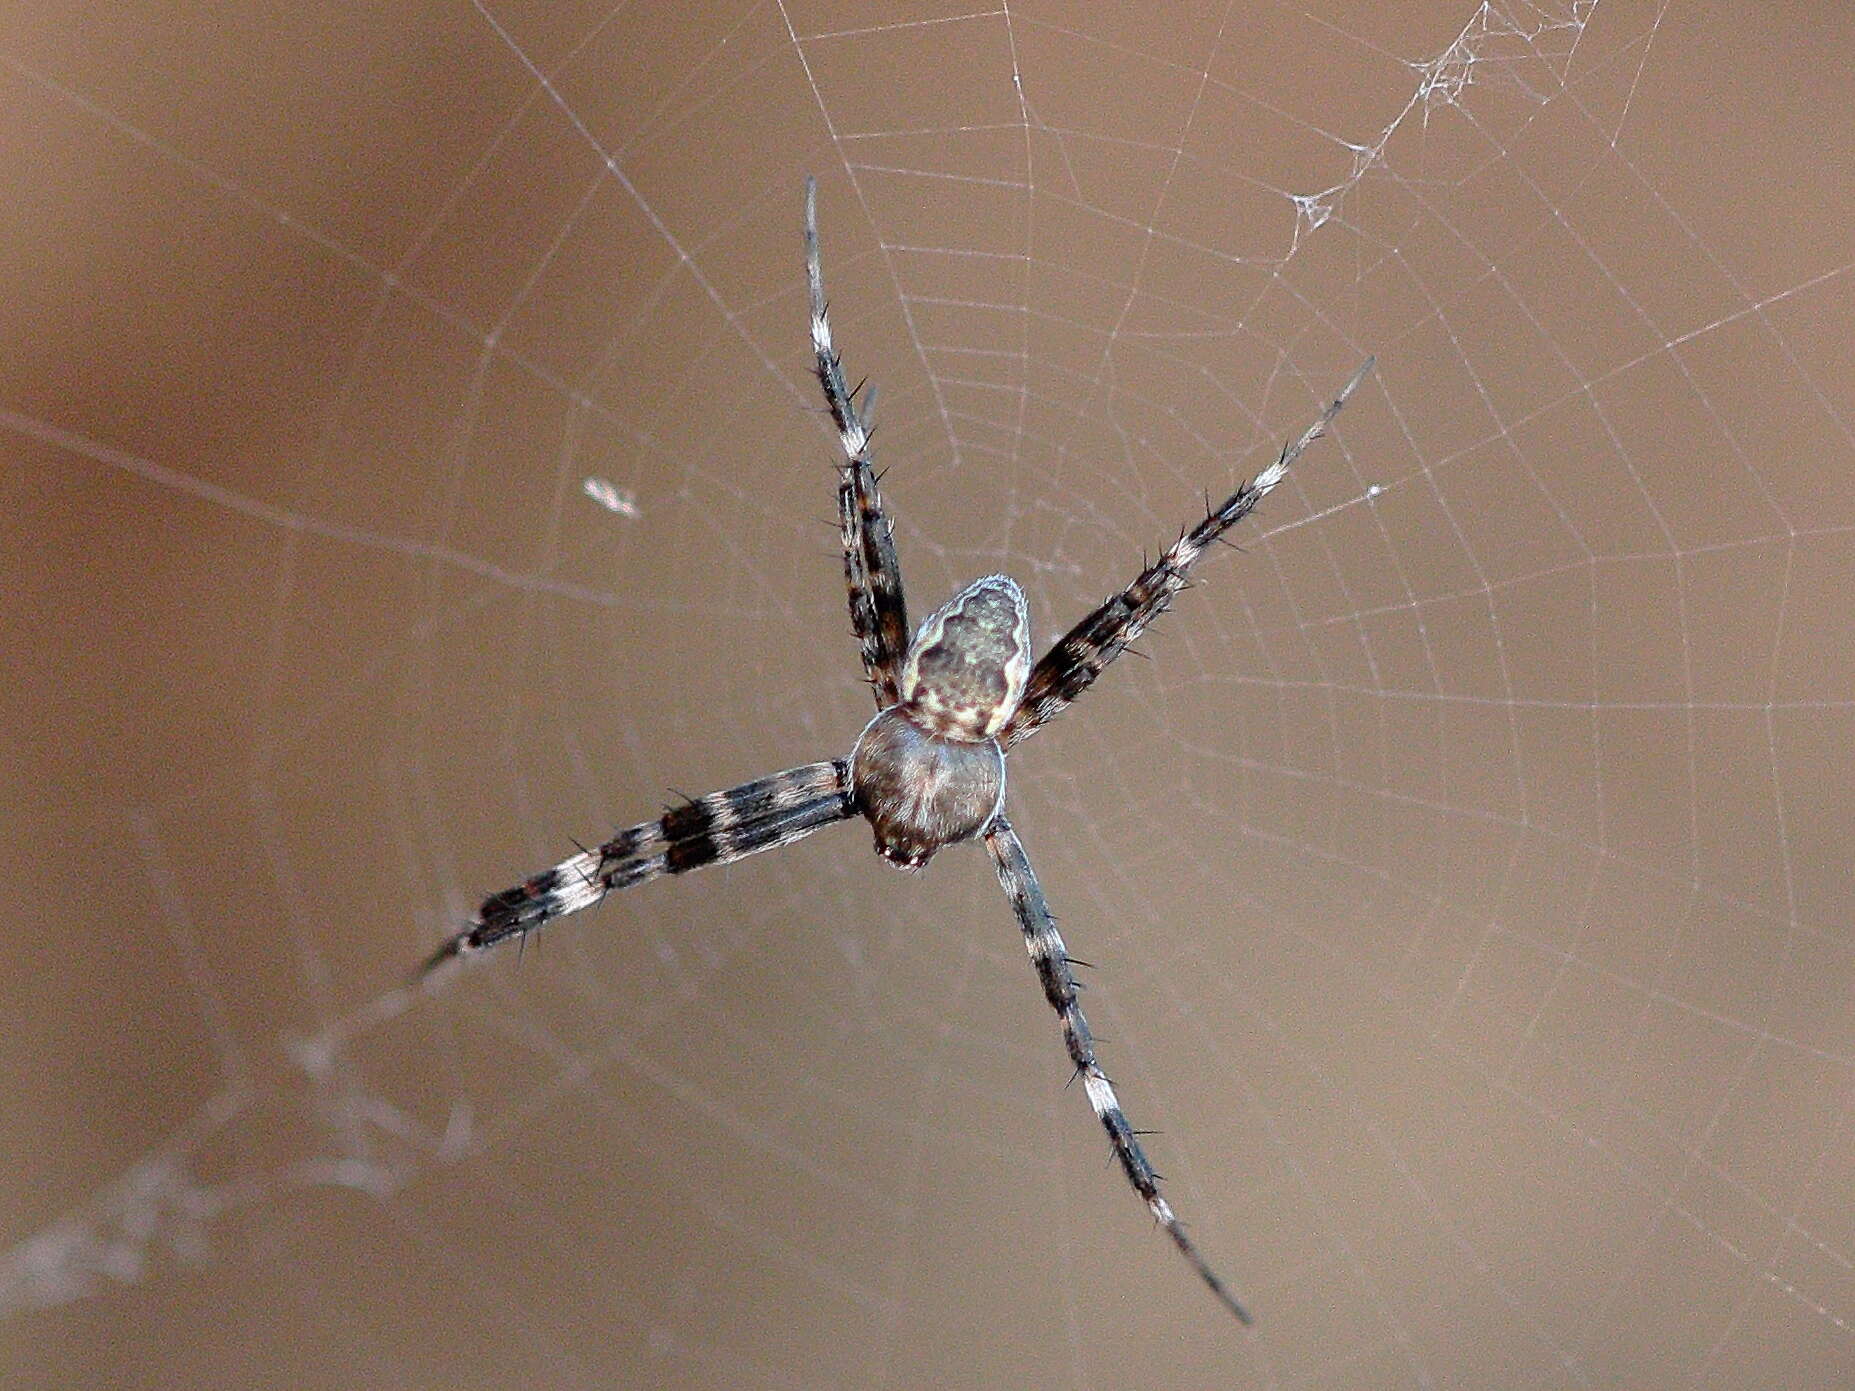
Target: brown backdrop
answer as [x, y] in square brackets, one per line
[1465, 873]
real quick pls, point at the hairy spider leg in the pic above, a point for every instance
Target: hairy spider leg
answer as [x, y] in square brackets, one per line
[872, 574]
[1020, 884]
[1084, 652]
[713, 830]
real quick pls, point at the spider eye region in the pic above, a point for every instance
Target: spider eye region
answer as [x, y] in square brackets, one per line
[921, 792]
[965, 670]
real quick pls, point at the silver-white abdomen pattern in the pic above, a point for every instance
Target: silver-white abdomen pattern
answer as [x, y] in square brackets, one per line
[966, 669]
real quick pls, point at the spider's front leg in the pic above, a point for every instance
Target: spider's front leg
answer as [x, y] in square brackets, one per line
[713, 830]
[1084, 652]
[1059, 988]
[878, 608]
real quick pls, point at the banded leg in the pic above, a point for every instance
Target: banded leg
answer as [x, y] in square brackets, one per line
[1059, 988]
[1080, 655]
[873, 576]
[713, 830]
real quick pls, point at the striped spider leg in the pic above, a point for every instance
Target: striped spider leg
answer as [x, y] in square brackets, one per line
[1080, 655]
[714, 830]
[1019, 882]
[878, 608]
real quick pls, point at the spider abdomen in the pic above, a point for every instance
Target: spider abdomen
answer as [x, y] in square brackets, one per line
[965, 671]
[921, 792]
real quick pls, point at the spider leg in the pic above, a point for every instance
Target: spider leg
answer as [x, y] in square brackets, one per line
[878, 608]
[1059, 988]
[713, 830]
[1080, 655]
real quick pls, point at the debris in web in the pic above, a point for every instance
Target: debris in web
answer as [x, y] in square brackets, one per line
[612, 497]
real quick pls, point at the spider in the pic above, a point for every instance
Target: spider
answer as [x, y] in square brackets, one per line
[929, 770]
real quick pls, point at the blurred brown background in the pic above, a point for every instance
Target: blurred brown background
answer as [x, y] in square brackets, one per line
[1465, 873]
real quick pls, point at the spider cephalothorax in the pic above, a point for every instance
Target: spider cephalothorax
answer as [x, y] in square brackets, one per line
[929, 770]
[926, 770]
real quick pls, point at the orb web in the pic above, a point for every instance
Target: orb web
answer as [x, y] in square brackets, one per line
[417, 468]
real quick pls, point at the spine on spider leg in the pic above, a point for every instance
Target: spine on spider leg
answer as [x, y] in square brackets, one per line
[716, 829]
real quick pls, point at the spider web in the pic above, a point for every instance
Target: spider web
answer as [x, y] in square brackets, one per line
[412, 464]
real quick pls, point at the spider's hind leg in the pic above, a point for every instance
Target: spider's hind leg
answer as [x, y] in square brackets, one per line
[1074, 661]
[872, 574]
